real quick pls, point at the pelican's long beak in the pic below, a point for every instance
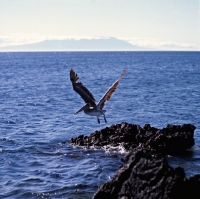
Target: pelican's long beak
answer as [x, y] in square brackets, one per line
[81, 109]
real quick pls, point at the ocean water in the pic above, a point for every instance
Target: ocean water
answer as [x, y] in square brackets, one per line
[37, 104]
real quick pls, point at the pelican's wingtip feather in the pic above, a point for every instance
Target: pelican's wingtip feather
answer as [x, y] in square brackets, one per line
[73, 76]
[123, 73]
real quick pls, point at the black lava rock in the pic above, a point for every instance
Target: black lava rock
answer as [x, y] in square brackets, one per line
[144, 175]
[174, 139]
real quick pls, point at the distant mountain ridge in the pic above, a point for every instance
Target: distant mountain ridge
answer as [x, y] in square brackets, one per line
[110, 43]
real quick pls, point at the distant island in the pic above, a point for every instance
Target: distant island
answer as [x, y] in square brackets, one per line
[101, 44]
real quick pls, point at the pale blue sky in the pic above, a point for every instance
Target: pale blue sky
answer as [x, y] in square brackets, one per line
[170, 24]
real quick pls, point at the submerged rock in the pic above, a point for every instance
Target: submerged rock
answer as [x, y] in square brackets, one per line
[146, 176]
[173, 139]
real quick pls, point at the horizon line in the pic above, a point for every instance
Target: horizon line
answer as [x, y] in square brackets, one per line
[142, 50]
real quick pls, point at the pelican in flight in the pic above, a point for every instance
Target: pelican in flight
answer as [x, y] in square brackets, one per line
[90, 107]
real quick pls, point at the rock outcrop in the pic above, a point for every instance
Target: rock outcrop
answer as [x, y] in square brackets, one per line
[174, 139]
[144, 175]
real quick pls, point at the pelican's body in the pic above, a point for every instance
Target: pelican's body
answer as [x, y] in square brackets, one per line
[94, 111]
[91, 108]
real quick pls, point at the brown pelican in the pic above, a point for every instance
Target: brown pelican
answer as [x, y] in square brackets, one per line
[90, 107]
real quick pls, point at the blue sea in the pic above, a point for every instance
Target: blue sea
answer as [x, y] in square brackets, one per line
[37, 103]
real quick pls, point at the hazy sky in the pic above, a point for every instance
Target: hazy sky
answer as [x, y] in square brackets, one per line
[153, 23]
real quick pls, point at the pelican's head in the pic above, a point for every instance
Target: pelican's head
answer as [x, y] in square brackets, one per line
[85, 107]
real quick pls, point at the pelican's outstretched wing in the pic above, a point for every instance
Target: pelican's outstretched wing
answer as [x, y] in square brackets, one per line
[81, 89]
[110, 91]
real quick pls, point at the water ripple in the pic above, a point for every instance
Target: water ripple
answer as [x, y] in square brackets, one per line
[37, 105]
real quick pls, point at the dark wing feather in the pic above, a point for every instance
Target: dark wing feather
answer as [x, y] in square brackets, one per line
[110, 91]
[81, 89]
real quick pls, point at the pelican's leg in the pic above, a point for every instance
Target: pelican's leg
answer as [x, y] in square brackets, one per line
[98, 120]
[104, 118]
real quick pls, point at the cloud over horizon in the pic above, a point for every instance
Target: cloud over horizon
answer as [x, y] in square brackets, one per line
[15, 40]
